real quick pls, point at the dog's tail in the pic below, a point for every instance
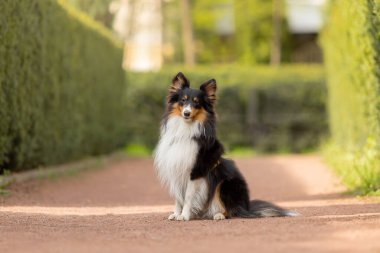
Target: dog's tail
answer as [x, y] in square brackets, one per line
[260, 208]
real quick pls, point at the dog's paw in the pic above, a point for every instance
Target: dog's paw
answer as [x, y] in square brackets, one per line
[219, 216]
[173, 216]
[182, 218]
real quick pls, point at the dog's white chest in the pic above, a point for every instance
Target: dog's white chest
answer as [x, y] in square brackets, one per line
[176, 153]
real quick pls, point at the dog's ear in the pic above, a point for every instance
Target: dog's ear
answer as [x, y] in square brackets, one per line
[179, 82]
[209, 88]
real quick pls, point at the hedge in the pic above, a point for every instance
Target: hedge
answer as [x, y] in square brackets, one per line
[270, 109]
[351, 43]
[61, 85]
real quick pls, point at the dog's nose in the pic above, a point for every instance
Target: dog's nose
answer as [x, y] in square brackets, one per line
[186, 113]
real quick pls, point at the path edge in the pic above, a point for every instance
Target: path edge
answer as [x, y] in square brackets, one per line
[89, 163]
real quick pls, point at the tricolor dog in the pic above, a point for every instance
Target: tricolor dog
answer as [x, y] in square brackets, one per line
[188, 159]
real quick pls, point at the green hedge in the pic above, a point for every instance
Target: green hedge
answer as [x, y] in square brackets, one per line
[271, 109]
[351, 44]
[61, 85]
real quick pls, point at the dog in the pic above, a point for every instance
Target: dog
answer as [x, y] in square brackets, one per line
[188, 160]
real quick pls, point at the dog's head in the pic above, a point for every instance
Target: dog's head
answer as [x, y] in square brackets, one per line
[191, 104]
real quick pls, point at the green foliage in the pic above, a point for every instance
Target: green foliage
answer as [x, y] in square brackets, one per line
[351, 44]
[359, 169]
[241, 152]
[4, 184]
[97, 9]
[271, 109]
[137, 150]
[211, 47]
[61, 85]
[254, 30]
[249, 43]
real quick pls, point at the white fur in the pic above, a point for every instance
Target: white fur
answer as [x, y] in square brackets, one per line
[195, 198]
[187, 108]
[177, 211]
[214, 208]
[292, 213]
[175, 156]
[219, 216]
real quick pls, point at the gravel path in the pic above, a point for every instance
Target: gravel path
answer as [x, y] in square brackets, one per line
[123, 209]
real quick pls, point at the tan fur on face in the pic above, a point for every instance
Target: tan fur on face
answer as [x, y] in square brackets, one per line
[199, 115]
[177, 110]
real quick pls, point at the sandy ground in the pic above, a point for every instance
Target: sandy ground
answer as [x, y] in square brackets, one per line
[122, 208]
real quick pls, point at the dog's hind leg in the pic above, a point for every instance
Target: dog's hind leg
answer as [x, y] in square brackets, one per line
[216, 210]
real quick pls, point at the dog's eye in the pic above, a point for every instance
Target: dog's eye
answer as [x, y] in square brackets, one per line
[183, 99]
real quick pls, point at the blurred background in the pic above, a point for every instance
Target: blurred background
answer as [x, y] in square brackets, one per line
[87, 77]
[158, 33]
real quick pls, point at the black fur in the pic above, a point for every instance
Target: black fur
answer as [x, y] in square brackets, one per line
[210, 164]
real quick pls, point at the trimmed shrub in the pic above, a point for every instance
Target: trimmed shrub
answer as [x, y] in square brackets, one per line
[351, 42]
[61, 85]
[271, 109]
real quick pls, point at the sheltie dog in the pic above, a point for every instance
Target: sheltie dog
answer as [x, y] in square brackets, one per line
[188, 160]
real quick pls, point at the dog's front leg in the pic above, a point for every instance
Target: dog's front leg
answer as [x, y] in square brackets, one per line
[191, 189]
[177, 211]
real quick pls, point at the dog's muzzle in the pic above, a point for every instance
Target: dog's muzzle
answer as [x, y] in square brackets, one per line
[186, 113]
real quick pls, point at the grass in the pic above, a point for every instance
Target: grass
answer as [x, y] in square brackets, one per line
[138, 150]
[4, 184]
[359, 170]
[142, 151]
[241, 152]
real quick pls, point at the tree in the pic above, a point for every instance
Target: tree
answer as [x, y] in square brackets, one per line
[275, 58]
[187, 33]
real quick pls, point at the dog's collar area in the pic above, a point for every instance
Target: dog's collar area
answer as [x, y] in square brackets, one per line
[215, 165]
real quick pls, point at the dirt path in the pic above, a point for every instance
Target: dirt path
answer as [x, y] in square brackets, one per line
[124, 209]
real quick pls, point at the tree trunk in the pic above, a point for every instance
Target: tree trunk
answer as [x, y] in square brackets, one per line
[275, 58]
[187, 34]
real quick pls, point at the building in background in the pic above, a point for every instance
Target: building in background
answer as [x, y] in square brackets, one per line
[305, 20]
[139, 24]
